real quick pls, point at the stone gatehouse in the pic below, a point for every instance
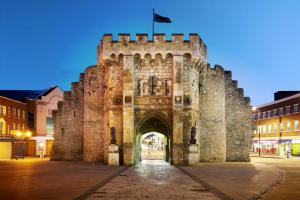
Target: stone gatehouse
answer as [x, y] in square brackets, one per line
[153, 85]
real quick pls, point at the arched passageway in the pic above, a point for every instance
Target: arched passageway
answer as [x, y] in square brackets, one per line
[153, 146]
[152, 139]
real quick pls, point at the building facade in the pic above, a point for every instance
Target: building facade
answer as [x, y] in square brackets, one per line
[145, 86]
[29, 117]
[13, 121]
[277, 130]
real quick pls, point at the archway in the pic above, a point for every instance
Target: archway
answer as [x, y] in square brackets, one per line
[153, 146]
[153, 127]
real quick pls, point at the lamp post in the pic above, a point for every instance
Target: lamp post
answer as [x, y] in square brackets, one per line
[258, 129]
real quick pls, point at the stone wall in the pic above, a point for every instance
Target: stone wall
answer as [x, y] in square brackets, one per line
[238, 122]
[68, 125]
[212, 132]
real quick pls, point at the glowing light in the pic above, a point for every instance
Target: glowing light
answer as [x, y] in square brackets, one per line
[41, 145]
[28, 134]
[254, 108]
[18, 134]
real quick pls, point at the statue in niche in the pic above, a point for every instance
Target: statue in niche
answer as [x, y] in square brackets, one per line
[113, 135]
[193, 134]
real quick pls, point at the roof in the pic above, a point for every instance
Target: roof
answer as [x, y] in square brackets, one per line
[279, 101]
[23, 95]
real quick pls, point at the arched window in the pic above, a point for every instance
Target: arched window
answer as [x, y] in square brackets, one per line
[121, 58]
[137, 59]
[169, 58]
[147, 58]
[158, 59]
[113, 56]
[2, 126]
[187, 59]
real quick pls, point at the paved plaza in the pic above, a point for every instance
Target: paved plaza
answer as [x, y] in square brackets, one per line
[153, 180]
[262, 178]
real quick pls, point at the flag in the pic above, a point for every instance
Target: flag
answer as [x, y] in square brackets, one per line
[161, 19]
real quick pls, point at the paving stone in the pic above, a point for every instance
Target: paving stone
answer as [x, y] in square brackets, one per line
[152, 180]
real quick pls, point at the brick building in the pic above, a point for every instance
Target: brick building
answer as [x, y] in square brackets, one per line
[13, 121]
[157, 85]
[37, 106]
[276, 124]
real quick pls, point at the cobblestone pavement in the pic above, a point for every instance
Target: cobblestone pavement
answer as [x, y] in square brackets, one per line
[152, 180]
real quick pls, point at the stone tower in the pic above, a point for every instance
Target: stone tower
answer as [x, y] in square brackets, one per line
[153, 85]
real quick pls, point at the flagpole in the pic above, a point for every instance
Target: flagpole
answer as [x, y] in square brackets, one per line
[153, 24]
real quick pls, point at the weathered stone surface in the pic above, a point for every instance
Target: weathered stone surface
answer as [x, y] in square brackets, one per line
[113, 155]
[142, 86]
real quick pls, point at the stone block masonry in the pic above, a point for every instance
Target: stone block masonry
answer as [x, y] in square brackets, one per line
[144, 86]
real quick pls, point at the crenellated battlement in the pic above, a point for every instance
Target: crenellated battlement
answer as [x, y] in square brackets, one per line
[159, 44]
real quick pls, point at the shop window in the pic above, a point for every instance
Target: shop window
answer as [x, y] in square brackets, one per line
[259, 129]
[288, 110]
[296, 125]
[280, 111]
[274, 112]
[264, 115]
[281, 127]
[296, 108]
[275, 128]
[288, 126]
[269, 128]
[264, 129]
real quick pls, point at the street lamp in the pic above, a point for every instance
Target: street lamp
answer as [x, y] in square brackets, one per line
[258, 129]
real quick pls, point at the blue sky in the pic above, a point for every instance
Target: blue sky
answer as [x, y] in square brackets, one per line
[49, 42]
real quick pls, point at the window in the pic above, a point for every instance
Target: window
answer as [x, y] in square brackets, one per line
[19, 113]
[23, 114]
[264, 129]
[2, 110]
[274, 112]
[23, 127]
[288, 110]
[296, 108]
[280, 111]
[296, 125]
[259, 115]
[264, 115]
[269, 114]
[275, 128]
[14, 126]
[49, 126]
[253, 116]
[8, 111]
[269, 128]
[14, 113]
[259, 129]
[1, 127]
[281, 127]
[288, 127]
